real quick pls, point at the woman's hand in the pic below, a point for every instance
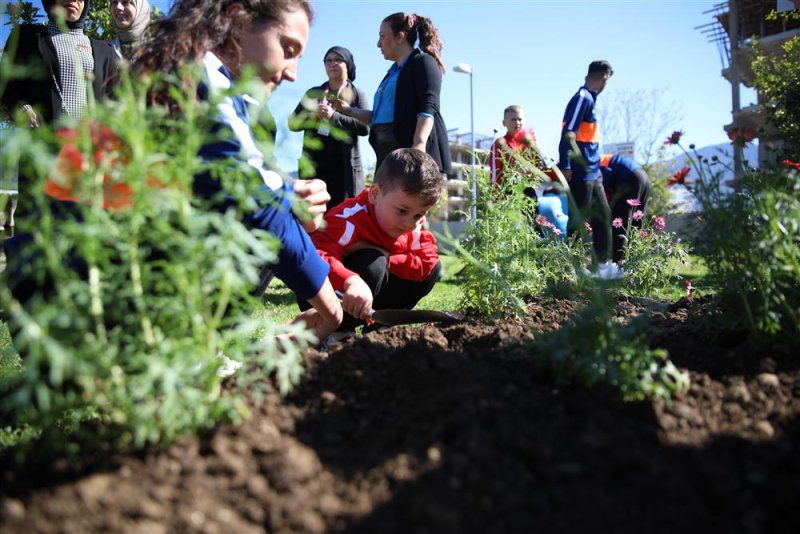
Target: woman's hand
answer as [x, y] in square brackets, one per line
[314, 193]
[33, 119]
[325, 111]
[341, 106]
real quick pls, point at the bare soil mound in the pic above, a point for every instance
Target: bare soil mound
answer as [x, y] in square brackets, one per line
[459, 429]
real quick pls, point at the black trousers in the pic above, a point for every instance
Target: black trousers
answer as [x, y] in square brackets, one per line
[635, 185]
[590, 198]
[383, 141]
[389, 291]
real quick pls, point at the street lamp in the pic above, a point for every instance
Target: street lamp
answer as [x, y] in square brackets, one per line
[465, 68]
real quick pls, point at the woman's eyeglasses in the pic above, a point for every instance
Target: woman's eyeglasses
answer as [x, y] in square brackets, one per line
[333, 60]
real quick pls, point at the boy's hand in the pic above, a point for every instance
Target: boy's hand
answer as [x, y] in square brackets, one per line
[357, 298]
[315, 195]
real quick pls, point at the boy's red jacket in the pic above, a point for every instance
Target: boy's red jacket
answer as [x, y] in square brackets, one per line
[516, 142]
[412, 256]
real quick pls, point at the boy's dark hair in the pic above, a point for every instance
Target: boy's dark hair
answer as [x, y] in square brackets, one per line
[600, 67]
[412, 170]
[513, 107]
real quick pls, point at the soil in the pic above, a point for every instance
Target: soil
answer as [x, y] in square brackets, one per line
[458, 429]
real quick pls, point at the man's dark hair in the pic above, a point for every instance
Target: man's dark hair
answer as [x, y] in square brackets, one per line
[414, 172]
[600, 67]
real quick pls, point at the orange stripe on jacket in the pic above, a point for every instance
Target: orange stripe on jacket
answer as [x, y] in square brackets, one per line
[605, 159]
[588, 133]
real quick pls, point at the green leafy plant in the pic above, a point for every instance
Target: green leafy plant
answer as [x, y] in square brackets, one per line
[749, 240]
[508, 257]
[777, 79]
[143, 287]
[595, 348]
[650, 254]
[751, 243]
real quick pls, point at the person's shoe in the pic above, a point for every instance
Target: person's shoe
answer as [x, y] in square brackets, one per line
[228, 367]
[609, 271]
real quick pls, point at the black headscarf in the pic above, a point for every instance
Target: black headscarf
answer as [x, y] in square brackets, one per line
[48, 5]
[348, 60]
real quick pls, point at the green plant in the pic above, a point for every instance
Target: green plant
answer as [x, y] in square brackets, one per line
[751, 244]
[596, 348]
[777, 79]
[507, 256]
[650, 255]
[749, 240]
[142, 286]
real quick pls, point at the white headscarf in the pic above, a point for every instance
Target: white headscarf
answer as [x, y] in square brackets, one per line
[141, 21]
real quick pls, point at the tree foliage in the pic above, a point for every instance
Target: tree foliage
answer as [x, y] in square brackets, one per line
[777, 78]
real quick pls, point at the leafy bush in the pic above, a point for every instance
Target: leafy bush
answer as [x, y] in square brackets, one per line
[777, 79]
[595, 348]
[137, 301]
[650, 255]
[751, 243]
[507, 256]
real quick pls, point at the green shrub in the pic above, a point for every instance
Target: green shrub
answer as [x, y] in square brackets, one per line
[595, 348]
[132, 339]
[507, 256]
[751, 243]
[651, 254]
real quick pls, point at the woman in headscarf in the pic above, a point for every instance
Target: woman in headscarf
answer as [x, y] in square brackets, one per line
[131, 19]
[335, 160]
[67, 67]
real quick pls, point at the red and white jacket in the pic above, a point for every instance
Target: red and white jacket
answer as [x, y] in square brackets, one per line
[412, 256]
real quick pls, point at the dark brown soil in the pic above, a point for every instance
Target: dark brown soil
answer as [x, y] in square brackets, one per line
[457, 429]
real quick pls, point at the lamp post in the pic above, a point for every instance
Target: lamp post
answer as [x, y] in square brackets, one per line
[465, 68]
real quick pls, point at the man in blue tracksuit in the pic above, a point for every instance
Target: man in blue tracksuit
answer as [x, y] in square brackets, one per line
[579, 160]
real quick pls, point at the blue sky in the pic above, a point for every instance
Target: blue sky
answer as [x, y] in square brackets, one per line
[533, 53]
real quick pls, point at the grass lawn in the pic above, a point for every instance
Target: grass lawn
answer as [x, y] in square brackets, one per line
[279, 303]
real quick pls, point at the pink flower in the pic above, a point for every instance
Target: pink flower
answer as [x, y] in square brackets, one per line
[659, 223]
[557, 231]
[638, 215]
[644, 234]
[617, 223]
[541, 220]
[674, 139]
[679, 177]
[633, 202]
[689, 290]
[587, 226]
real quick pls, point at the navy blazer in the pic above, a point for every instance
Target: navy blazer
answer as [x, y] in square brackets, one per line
[418, 88]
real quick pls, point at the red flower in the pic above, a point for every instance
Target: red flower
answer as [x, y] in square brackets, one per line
[679, 177]
[741, 136]
[675, 138]
[793, 164]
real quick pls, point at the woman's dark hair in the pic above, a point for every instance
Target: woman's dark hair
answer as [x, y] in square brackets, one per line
[418, 27]
[194, 27]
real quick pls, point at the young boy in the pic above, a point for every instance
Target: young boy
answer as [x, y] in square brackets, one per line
[380, 254]
[515, 140]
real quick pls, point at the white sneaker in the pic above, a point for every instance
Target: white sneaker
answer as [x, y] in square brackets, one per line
[609, 271]
[228, 367]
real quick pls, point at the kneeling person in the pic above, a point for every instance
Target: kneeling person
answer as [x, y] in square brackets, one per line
[381, 255]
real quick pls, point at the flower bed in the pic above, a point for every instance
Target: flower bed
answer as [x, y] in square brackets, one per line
[459, 429]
